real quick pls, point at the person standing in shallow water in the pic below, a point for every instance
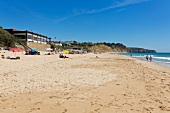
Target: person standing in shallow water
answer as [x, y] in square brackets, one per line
[147, 57]
[150, 58]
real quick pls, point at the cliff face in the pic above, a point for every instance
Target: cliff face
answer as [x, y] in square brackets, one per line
[100, 48]
[119, 49]
[140, 50]
[107, 47]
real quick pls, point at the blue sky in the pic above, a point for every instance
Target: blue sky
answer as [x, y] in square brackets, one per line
[135, 23]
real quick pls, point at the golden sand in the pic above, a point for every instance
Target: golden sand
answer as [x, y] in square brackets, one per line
[83, 84]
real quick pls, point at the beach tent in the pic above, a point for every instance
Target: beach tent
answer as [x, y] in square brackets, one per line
[15, 50]
[48, 49]
[65, 51]
[34, 50]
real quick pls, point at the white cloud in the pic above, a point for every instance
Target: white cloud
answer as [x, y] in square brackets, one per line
[117, 5]
[120, 10]
[62, 19]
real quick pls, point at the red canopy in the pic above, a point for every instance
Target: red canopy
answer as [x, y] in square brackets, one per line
[15, 50]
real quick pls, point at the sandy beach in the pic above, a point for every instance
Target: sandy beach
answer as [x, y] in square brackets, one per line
[83, 83]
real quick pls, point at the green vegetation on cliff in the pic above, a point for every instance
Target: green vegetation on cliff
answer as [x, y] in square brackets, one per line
[6, 39]
[103, 47]
[97, 47]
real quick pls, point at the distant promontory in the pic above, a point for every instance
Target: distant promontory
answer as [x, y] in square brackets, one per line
[139, 50]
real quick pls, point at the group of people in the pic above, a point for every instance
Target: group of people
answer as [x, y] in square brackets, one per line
[62, 56]
[149, 58]
[8, 57]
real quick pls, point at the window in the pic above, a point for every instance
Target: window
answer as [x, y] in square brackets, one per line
[44, 40]
[30, 37]
[22, 37]
[35, 38]
[39, 39]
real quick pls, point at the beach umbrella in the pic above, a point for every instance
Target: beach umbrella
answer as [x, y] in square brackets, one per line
[15, 50]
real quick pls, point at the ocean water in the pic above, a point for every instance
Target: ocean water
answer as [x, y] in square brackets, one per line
[160, 58]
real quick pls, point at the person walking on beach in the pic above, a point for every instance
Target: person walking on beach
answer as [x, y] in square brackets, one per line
[150, 58]
[147, 57]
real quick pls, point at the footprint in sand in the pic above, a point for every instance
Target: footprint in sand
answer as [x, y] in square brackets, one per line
[164, 108]
[65, 110]
[33, 109]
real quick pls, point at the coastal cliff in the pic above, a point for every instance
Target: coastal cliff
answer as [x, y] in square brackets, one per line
[107, 47]
[139, 50]
[118, 47]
